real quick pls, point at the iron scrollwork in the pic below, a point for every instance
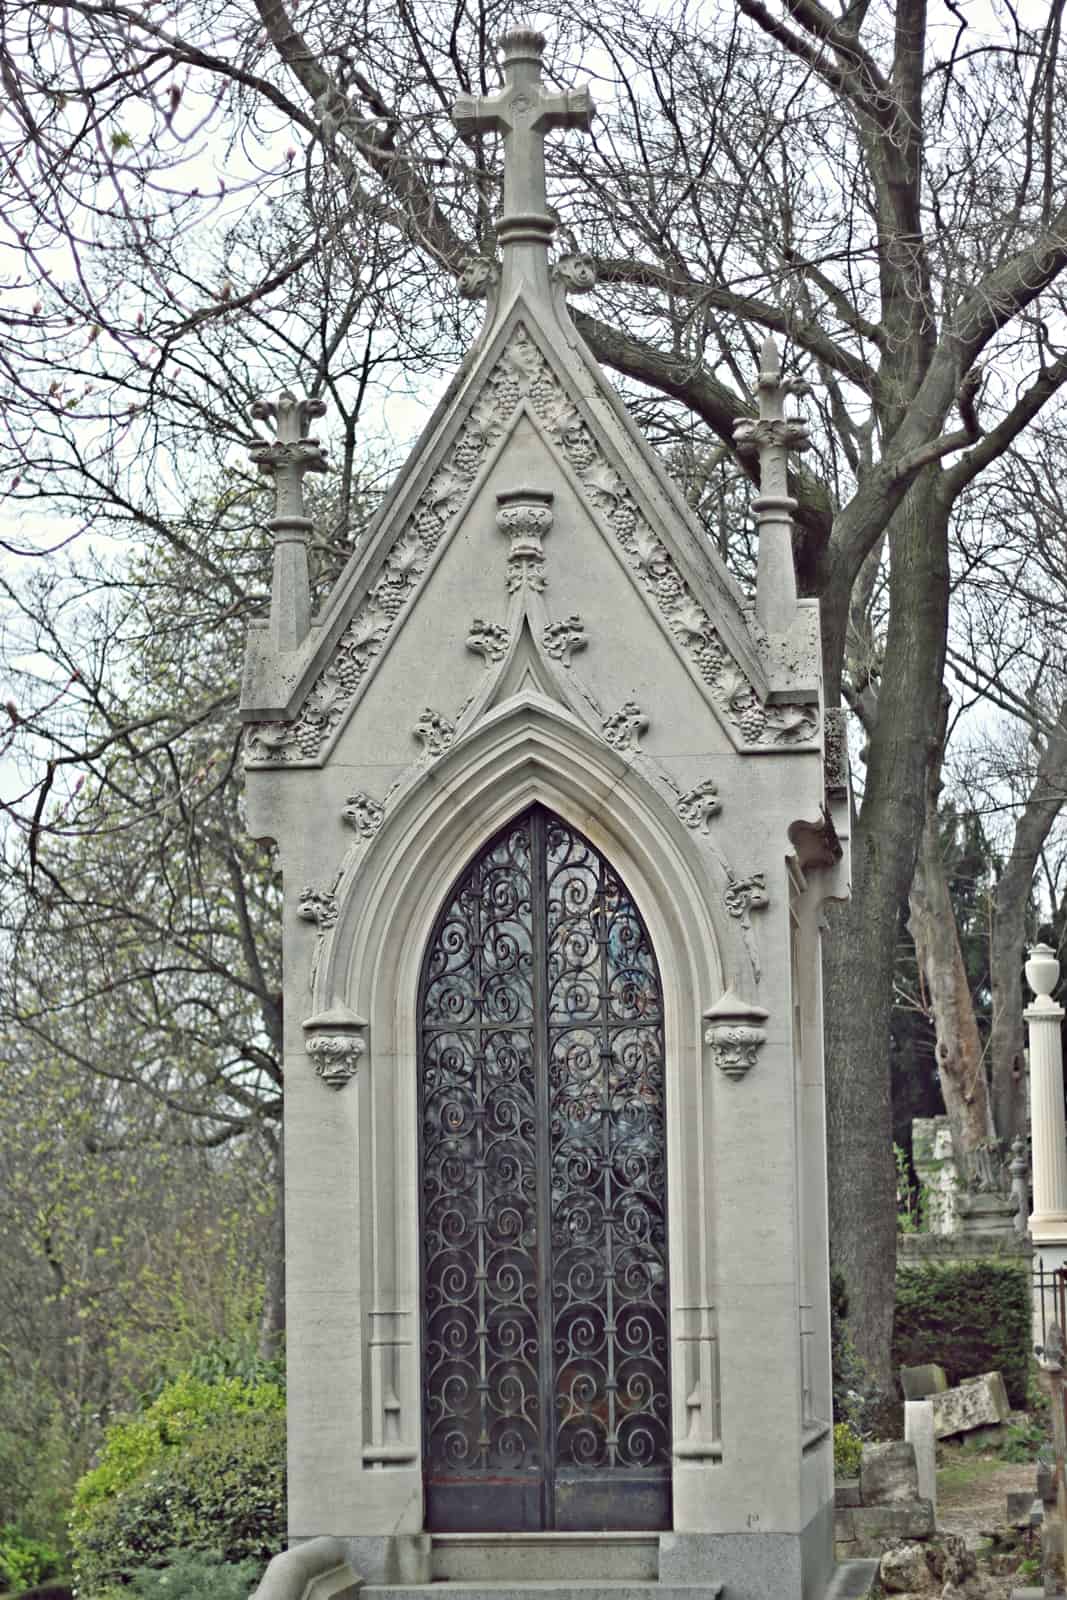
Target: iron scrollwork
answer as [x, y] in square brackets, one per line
[542, 1114]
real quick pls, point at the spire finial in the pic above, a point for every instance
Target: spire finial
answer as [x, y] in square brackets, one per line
[523, 112]
[293, 453]
[773, 436]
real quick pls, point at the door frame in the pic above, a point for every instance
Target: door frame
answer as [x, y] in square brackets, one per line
[390, 893]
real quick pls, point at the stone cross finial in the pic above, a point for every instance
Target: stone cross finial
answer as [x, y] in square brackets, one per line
[773, 435]
[292, 453]
[523, 112]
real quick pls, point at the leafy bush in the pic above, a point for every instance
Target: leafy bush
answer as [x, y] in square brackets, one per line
[182, 1409]
[848, 1451]
[970, 1318]
[196, 1575]
[26, 1562]
[222, 1493]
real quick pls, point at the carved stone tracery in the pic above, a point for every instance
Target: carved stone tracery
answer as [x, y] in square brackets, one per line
[523, 374]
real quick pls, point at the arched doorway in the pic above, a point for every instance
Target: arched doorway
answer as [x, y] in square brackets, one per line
[543, 1196]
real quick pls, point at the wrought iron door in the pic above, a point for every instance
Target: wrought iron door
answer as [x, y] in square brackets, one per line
[544, 1249]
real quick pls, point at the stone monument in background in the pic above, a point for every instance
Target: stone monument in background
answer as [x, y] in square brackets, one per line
[557, 809]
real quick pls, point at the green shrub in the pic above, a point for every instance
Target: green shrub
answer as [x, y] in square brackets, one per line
[222, 1493]
[183, 1408]
[970, 1318]
[25, 1562]
[196, 1575]
[848, 1451]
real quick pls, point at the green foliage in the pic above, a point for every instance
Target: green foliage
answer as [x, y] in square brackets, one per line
[196, 1575]
[970, 1318]
[222, 1493]
[1021, 1443]
[848, 1451]
[185, 1407]
[26, 1562]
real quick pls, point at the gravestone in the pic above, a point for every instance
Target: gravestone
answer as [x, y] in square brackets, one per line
[557, 808]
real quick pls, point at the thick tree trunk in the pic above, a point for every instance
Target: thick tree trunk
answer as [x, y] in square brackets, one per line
[861, 950]
[960, 1057]
[1011, 903]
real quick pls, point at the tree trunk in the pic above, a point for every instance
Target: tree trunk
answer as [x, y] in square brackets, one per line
[960, 1058]
[861, 950]
[1011, 902]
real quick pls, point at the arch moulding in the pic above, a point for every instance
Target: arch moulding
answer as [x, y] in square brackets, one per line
[528, 751]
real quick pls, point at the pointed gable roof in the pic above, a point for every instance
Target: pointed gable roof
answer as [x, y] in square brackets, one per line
[530, 364]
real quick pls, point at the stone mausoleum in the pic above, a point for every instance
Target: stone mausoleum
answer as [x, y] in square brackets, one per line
[557, 808]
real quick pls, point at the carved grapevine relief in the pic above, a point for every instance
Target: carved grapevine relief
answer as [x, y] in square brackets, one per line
[522, 374]
[562, 639]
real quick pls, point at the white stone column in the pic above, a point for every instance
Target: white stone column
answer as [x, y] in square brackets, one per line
[1048, 1220]
[919, 1432]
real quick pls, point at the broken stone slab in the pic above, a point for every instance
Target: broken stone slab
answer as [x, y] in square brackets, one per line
[919, 1383]
[847, 1492]
[907, 1519]
[980, 1402]
[888, 1473]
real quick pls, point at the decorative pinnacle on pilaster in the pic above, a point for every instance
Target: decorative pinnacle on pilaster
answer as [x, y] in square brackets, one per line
[523, 112]
[292, 453]
[773, 435]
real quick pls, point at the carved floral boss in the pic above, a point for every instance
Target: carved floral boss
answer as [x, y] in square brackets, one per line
[334, 1040]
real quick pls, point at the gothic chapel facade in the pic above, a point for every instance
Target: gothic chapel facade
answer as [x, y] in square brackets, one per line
[556, 809]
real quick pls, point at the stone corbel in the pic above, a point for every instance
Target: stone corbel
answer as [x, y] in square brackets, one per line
[335, 1040]
[735, 1033]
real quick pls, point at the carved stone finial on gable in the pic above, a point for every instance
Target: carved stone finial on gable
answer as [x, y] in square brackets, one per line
[735, 1033]
[526, 516]
[773, 435]
[292, 453]
[523, 112]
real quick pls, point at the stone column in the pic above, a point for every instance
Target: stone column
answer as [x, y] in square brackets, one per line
[1048, 1220]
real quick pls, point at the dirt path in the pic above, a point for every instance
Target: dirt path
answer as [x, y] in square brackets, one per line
[972, 1508]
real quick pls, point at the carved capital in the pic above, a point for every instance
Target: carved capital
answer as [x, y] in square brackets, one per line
[787, 433]
[334, 1040]
[735, 1033]
[525, 516]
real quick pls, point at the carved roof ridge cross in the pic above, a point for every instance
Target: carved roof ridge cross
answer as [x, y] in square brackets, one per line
[523, 112]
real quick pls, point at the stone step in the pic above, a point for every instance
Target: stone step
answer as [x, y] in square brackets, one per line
[547, 1589]
[491, 1557]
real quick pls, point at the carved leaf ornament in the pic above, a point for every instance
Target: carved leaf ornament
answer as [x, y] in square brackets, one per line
[522, 373]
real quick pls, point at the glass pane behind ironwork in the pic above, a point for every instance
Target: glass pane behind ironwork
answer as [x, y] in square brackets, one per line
[542, 1115]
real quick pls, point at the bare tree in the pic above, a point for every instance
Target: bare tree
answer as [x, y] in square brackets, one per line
[880, 189]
